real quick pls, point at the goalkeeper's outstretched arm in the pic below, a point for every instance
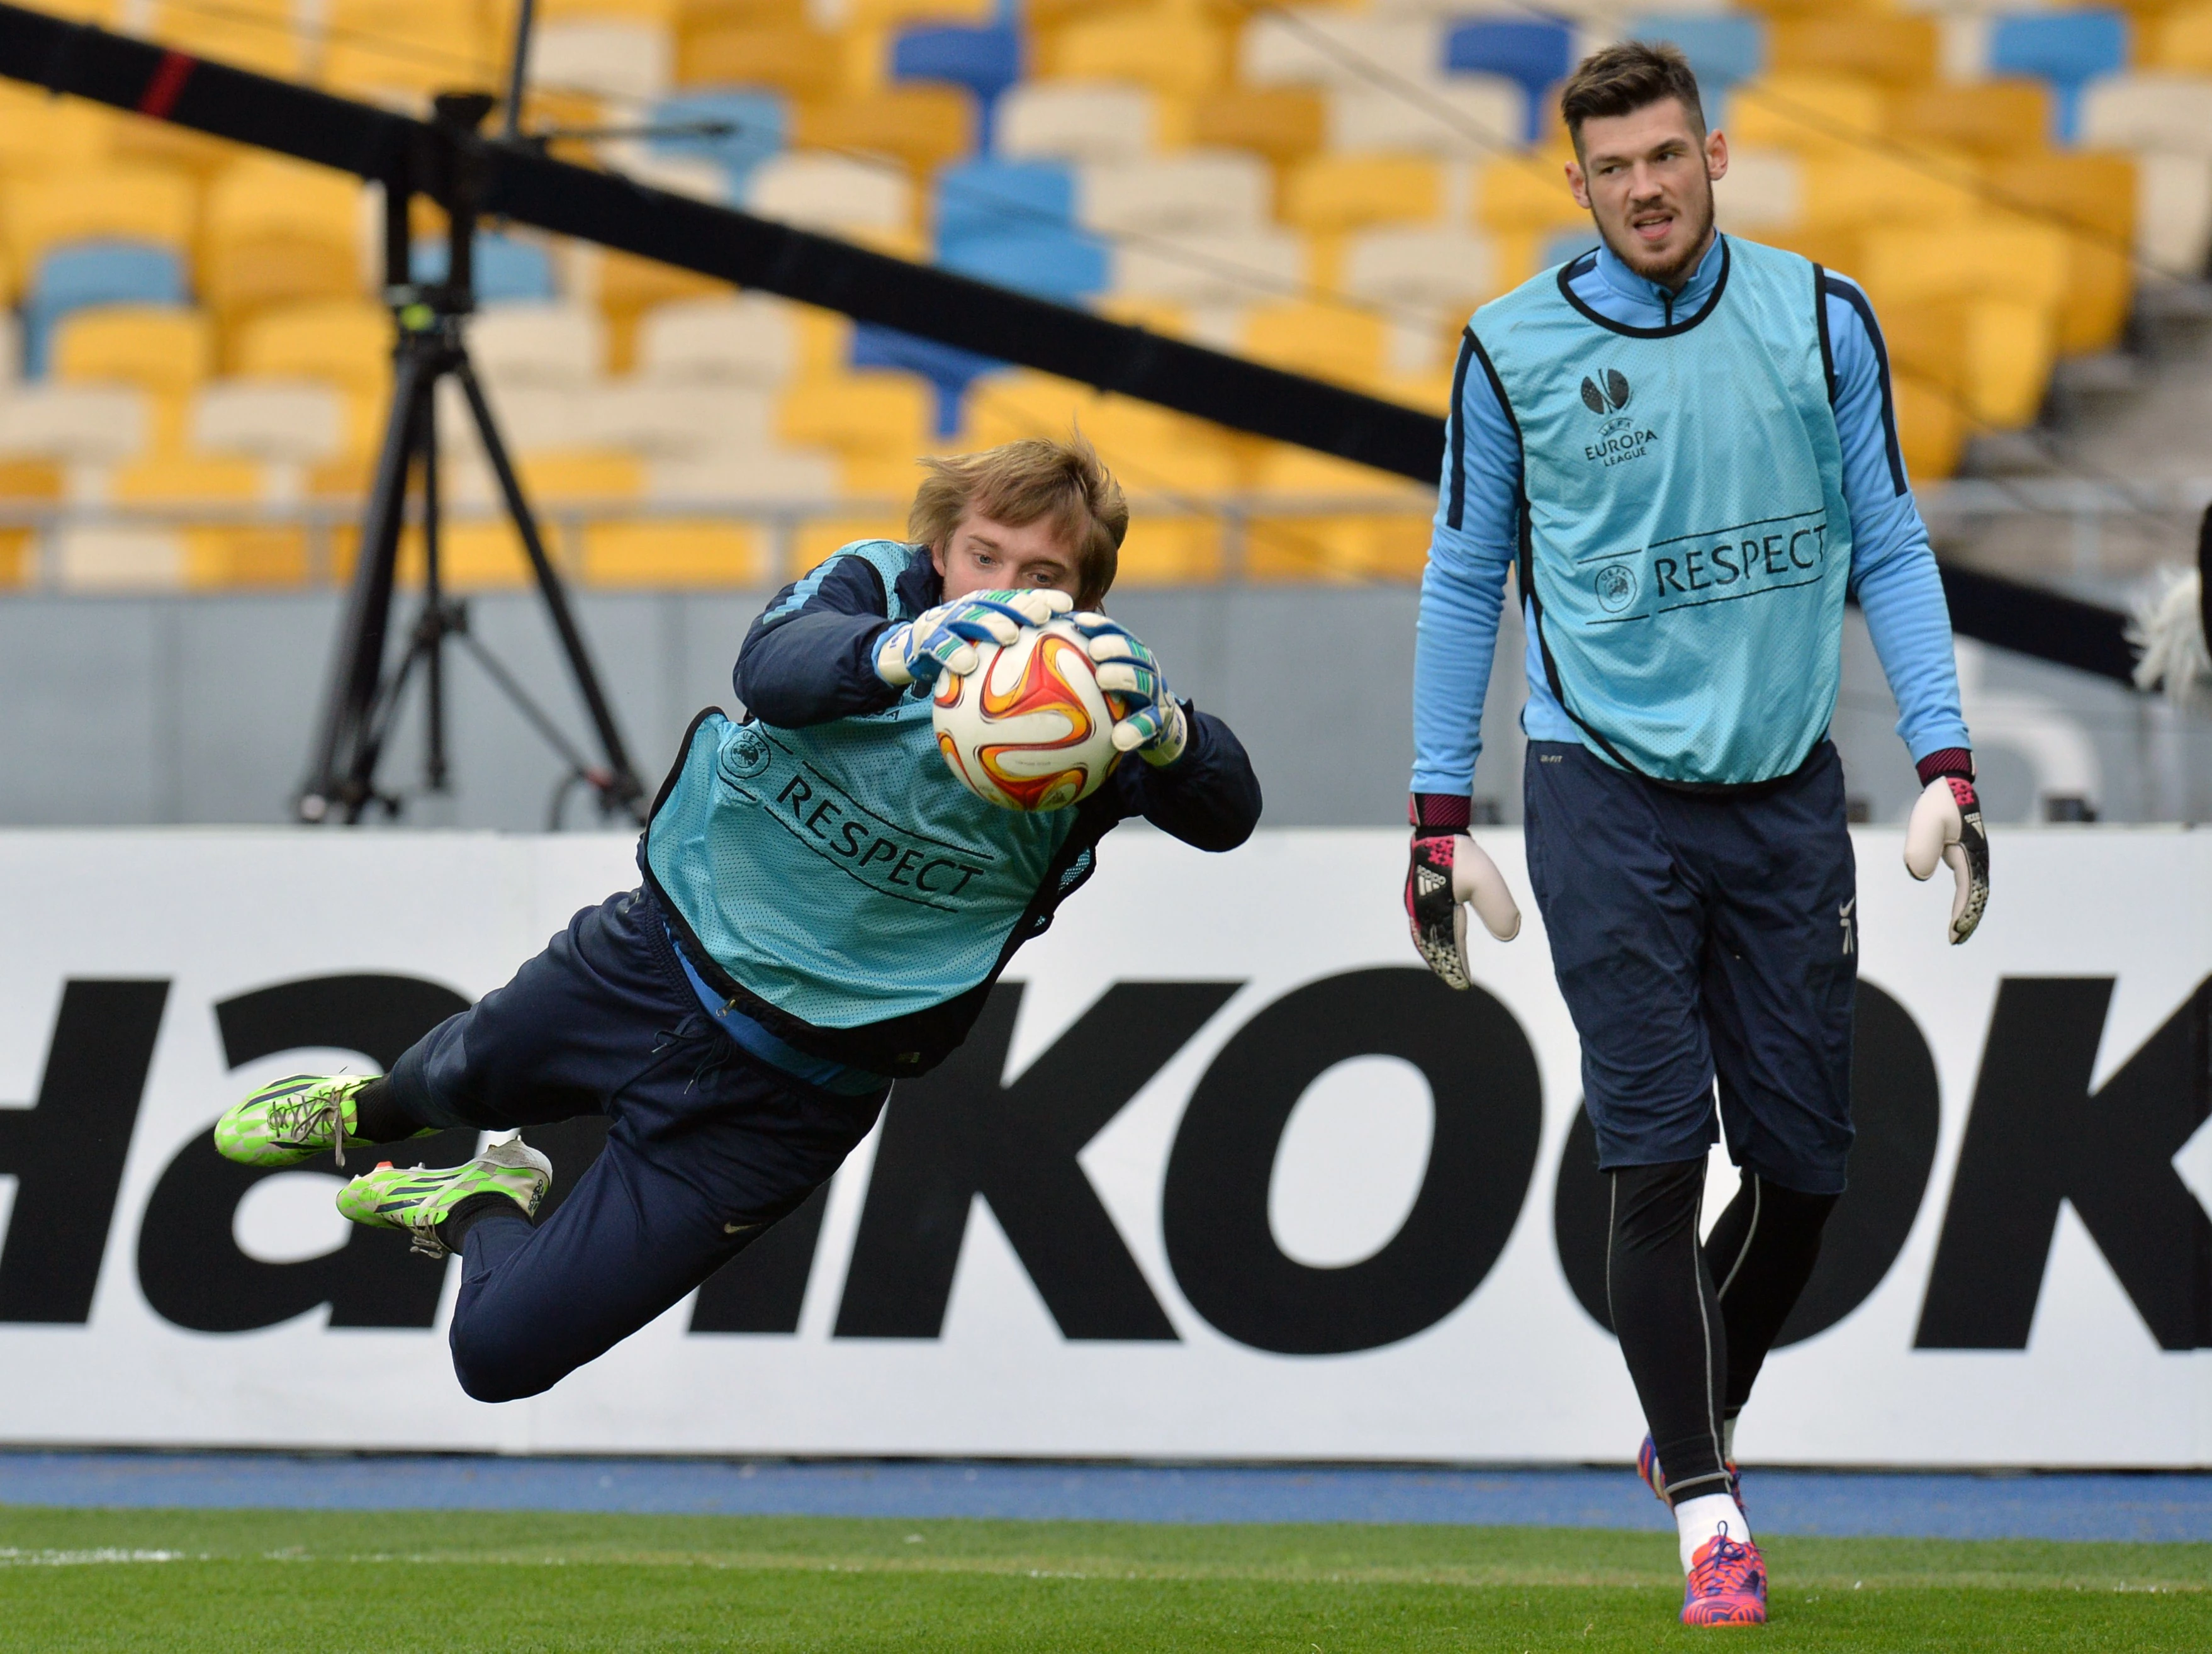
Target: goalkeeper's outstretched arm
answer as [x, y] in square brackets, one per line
[1209, 798]
[810, 656]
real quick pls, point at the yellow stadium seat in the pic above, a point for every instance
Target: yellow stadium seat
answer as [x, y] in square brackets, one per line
[866, 14]
[2011, 348]
[818, 537]
[1162, 550]
[1931, 431]
[1330, 194]
[1807, 112]
[340, 342]
[1330, 341]
[1167, 48]
[1528, 193]
[164, 347]
[40, 131]
[2181, 40]
[245, 556]
[188, 479]
[699, 14]
[674, 554]
[565, 11]
[1286, 469]
[2095, 194]
[257, 34]
[1874, 187]
[1892, 51]
[375, 46]
[138, 203]
[630, 286]
[1336, 549]
[584, 476]
[923, 126]
[483, 554]
[885, 413]
[277, 232]
[1153, 450]
[1991, 118]
[1992, 255]
[24, 482]
[1284, 124]
[802, 60]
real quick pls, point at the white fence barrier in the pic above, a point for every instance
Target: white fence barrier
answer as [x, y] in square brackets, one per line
[1222, 1174]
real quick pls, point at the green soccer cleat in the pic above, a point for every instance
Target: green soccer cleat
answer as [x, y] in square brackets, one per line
[421, 1198]
[293, 1119]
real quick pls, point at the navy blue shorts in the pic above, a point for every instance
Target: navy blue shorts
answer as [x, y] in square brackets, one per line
[706, 1145]
[1697, 936]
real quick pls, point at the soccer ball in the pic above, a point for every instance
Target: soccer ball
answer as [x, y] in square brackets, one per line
[1029, 728]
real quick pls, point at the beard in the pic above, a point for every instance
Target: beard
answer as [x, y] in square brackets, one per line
[1670, 268]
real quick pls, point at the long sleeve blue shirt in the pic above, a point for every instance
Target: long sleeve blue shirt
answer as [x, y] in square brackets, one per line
[1893, 573]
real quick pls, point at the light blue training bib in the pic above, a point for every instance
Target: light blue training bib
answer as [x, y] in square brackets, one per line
[839, 871]
[1684, 536]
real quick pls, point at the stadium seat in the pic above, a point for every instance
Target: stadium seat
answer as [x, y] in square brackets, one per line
[2095, 194]
[179, 479]
[1163, 47]
[859, 416]
[1537, 53]
[1487, 115]
[539, 343]
[1286, 469]
[673, 554]
[1811, 114]
[838, 195]
[1231, 267]
[2168, 113]
[1763, 188]
[2180, 40]
[164, 350]
[1075, 120]
[507, 271]
[1990, 118]
[982, 62]
[1724, 49]
[71, 278]
[1444, 269]
[752, 340]
[948, 370]
[275, 231]
[1528, 193]
[1312, 45]
[1154, 451]
[761, 121]
[675, 419]
[1331, 341]
[257, 34]
[1877, 186]
[1330, 193]
[1169, 550]
[22, 482]
[379, 48]
[40, 131]
[101, 557]
[818, 537]
[75, 424]
[1283, 124]
[1219, 190]
[630, 58]
[2173, 217]
[794, 58]
[146, 206]
[299, 422]
[244, 557]
[1011, 222]
[1894, 51]
[346, 343]
[921, 126]
[2068, 49]
[766, 477]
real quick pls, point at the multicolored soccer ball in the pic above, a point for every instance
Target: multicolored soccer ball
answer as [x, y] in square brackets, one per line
[1029, 728]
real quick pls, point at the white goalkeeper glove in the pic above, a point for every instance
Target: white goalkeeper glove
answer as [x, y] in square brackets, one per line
[943, 639]
[1154, 727]
[1450, 873]
[1945, 826]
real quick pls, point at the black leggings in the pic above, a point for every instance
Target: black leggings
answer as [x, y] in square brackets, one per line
[1695, 1323]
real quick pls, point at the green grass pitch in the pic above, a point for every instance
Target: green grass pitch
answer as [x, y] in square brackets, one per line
[462, 1583]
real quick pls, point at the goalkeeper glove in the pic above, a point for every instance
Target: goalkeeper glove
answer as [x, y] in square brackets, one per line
[1449, 871]
[1155, 727]
[943, 639]
[1947, 826]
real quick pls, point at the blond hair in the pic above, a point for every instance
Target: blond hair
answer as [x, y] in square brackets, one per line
[1020, 482]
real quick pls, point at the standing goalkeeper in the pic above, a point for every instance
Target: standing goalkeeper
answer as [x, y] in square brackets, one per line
[1687, 444]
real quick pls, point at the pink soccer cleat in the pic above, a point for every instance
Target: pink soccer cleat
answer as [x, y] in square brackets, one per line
[1727, 1584]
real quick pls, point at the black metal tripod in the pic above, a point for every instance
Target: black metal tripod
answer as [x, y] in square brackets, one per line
[364, 699]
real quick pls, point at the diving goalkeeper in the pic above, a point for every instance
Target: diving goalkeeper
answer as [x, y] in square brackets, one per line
[824, 910]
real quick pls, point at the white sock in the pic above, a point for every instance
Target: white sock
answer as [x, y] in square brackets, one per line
[1697, 1520]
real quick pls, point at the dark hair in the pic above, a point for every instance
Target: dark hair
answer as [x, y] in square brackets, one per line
[1624, 78]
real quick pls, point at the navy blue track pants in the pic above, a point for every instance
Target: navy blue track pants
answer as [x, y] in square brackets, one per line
[706, 1146]
[1697, 934]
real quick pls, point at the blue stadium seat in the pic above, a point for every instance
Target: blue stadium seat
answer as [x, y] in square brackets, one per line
[505, 269]
[2068, 49]
[1722, 49]
[947, 368]
[1539, 55]
[1052, 263]
[761, 120]
[84, 274]
[985, 61]
[990, 196]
